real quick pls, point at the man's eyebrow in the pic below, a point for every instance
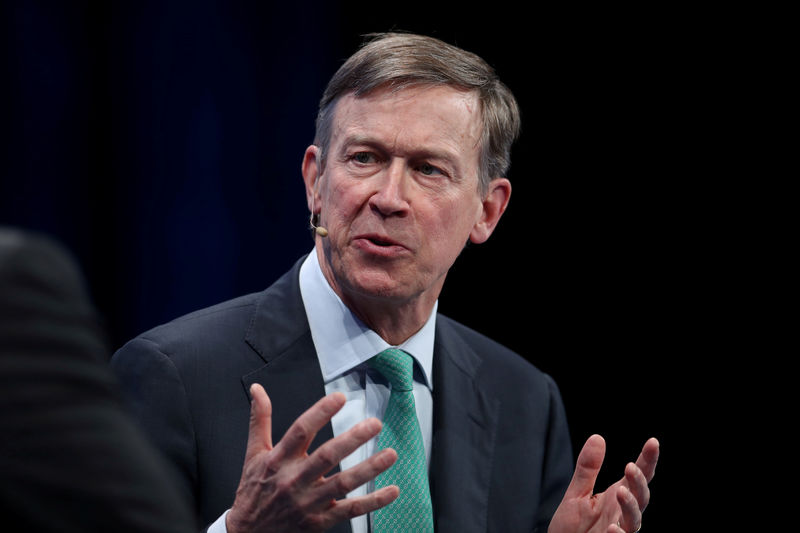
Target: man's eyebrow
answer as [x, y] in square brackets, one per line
[363, 140]
[422, 153]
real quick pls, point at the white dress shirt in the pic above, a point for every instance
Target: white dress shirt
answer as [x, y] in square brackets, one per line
[344, 344]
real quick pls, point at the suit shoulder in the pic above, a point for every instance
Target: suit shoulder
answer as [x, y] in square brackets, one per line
[203, 330]
[232, 306]
[497, 359]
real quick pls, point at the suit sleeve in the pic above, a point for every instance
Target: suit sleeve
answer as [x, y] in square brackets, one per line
[558, 464]
[157, 400]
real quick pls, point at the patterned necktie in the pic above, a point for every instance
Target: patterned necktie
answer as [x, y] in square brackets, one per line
[412, 510]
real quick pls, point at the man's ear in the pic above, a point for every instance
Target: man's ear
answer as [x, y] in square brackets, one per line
[494, 205]
[311, 171]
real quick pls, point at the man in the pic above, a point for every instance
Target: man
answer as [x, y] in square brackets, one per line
[71, 460]
[408, 164]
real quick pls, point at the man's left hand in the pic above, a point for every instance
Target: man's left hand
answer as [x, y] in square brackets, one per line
[618, 509]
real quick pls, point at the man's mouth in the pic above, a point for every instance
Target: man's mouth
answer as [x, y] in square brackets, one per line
[378, 241]
[380, 244]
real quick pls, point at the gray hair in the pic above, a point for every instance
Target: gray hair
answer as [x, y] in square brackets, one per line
[400, 60]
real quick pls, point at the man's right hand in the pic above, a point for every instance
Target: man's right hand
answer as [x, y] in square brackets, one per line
[283, 488]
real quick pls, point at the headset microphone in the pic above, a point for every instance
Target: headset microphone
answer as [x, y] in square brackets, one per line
[319, 230]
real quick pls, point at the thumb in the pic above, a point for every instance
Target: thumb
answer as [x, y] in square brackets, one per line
[587, 468]
[259, 438]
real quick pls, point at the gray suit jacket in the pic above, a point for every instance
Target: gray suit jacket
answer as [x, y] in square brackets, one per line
[501, 456]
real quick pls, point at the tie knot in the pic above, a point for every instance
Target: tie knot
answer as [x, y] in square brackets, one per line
[396, 366]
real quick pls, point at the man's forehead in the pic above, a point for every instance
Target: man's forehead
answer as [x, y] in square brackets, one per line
[353, 112]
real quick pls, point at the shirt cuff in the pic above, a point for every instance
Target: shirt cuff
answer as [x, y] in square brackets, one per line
[219, 525]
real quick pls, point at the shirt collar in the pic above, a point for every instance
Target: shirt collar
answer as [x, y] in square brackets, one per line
[342, 340]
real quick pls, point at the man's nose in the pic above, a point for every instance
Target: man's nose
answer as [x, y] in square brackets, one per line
[391, 197]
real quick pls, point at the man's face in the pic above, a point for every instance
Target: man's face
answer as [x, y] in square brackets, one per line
[399, 192]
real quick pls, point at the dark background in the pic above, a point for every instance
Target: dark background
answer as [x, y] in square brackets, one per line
[162, 142]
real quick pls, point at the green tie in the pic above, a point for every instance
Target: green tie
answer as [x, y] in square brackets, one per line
[412, 510]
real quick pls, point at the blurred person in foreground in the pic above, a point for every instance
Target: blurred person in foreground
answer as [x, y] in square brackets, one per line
[71, 459]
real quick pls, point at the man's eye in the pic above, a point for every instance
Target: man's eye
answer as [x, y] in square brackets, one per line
[363, 158]
[429, 170]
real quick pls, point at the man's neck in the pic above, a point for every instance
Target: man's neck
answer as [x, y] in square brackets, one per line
[394, 320]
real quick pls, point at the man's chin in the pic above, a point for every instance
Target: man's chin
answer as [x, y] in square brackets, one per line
[366, 280]
[379, 286]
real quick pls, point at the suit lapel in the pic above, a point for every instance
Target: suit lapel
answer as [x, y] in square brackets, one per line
[294, 383]
[291, 375]
[464, 429]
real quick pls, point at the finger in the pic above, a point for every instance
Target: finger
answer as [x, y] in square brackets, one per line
[342, 483]
[350, 508]
[614, 528]
[637, 484]
[649, 458]
[332, 452]
[631, 518]
[259, 438]
[303, 430]
[587, 467]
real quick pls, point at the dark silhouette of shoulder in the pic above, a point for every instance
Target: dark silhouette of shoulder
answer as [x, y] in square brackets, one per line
[71, 459]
